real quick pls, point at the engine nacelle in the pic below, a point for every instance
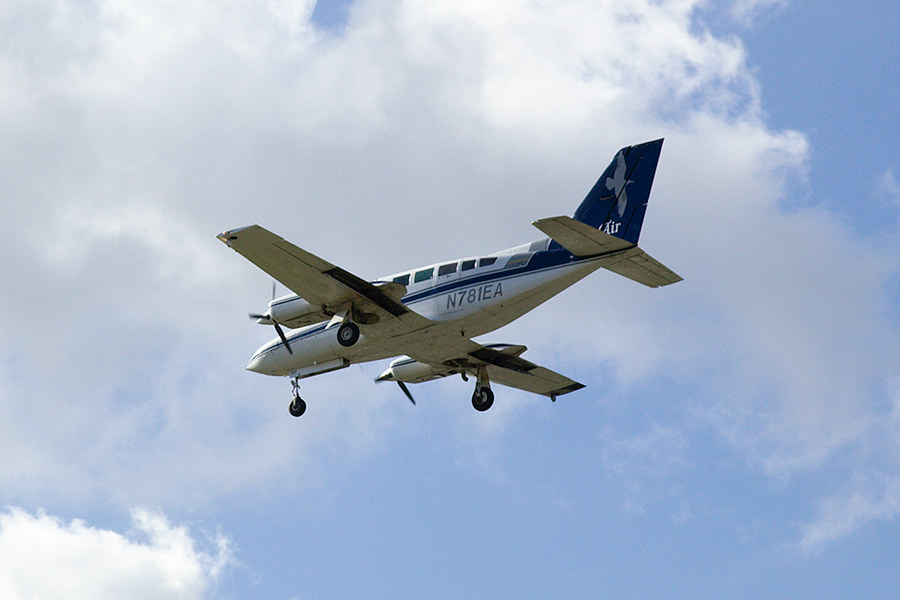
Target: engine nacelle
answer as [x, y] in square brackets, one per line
[408, 370]
[293, 311]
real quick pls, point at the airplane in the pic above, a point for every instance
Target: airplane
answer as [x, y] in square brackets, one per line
[429, 316]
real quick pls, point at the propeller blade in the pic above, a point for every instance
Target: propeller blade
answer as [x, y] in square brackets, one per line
[283, 338]
[278, 328]
[406, 391]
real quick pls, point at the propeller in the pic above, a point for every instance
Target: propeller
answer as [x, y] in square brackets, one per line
[278, 328]
[406, 391]
[387, 376]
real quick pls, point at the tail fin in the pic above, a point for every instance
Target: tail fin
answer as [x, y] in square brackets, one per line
[618, 201]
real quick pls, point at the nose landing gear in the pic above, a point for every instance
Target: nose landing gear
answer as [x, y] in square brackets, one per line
[298, 405]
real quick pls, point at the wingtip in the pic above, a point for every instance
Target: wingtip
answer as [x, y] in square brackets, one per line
[227, 237]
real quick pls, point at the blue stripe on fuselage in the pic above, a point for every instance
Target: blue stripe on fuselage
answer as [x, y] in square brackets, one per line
[544, 259]
[540, 261]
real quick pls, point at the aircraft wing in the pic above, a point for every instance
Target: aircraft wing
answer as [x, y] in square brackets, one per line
[321, 283]
[504, 366]
[516, 372]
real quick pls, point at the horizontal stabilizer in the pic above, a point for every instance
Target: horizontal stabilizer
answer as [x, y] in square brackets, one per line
[637, 265]
[580, 238]
[627, 260]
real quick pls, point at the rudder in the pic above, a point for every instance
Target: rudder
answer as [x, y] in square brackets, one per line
[618, 201]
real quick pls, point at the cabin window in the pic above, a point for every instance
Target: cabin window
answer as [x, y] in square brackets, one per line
[402, 279]
[485, 262]
[518, 260]
[468, 265]
[424, 275]
[446, 269]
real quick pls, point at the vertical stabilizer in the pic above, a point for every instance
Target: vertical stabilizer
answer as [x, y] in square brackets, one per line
[618, 201]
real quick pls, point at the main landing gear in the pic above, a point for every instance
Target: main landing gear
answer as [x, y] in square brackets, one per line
[348, 334]
[483, 398]
[298, 405]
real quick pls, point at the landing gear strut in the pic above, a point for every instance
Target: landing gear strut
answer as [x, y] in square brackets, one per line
[298, 405]
[483, 398]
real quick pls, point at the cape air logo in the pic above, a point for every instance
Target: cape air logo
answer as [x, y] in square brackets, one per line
[617, 183]
[610, 227]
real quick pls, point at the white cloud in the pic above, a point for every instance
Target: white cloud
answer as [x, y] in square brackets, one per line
[747, 12]
[871, 494]
[886, 186]
[645, 464]
[871, 498]
[134, 132]
[43, 557]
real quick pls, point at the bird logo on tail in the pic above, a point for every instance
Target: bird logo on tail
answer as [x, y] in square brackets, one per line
[617, 183]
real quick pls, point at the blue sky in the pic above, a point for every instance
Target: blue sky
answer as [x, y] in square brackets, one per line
[739, 435]
[826, 70]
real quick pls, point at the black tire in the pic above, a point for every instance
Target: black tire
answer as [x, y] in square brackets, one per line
[348, 334]
[483, 398]
[297, 407]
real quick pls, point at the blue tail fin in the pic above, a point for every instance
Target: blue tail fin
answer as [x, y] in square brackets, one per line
[617, 202]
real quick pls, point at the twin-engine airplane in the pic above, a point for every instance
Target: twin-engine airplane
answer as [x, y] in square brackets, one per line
[431, 314]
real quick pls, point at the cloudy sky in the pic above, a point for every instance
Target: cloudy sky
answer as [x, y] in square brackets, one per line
[740, 432]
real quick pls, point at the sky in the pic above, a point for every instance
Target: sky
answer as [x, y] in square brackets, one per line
[739, 435]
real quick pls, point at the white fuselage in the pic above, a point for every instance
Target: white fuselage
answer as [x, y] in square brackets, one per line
[475, 295]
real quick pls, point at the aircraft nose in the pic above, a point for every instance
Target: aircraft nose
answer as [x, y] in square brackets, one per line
[270, 359]
[257, 364]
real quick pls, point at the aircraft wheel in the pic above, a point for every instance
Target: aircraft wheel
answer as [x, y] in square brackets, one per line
[297, 407]
[483, 398]
[348, 334]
